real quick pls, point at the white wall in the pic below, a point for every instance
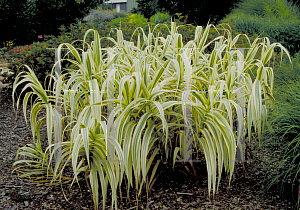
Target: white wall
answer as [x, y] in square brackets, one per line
[118, 7]
[116, 1]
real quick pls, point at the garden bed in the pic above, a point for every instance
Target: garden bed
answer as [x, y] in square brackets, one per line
[172, 190]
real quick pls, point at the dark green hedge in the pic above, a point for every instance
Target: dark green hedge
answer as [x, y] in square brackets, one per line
[286, 32]
[22, 21]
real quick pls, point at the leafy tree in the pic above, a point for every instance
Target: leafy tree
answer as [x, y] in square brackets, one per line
[24, 20]
[58, 13]
[198, 11]
[10, 18]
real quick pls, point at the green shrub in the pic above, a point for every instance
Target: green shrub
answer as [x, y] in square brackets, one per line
[35, 55]
[118, 22]
[279, 30]
[277, 19]
[135, 20]
[11, 20]
[99, 16]
[288, 72]
[160, 18]
[138, 20]
[25, 20]
[40, 59]
[252, 7]
[282, 9]
[273, 8]
[199, 12]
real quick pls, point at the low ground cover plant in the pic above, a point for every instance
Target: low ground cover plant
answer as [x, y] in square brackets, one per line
[287, 72]
[281, 138]
[152, 85]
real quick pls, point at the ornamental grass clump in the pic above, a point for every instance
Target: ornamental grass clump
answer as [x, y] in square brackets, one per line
[150, 86]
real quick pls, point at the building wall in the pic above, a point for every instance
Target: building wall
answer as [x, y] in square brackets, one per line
[123, 6]
[116, 1]
[131, 4]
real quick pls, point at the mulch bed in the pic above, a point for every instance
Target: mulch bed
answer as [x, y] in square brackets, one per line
[172, 189]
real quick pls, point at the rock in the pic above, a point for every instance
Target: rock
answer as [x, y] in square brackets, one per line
[26, 203]
[14, 207]
[6, 72]
[50, 197]
[3, 85]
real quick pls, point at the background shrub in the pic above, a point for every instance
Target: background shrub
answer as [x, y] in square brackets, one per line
[287, 72]
[138, 20]
[98, 17]
[23, 21]
[118, 22]
[134, 20]
[272, 8]
[199, 12]
[11, 15]
[38, 57]
[160, 18]
[279, 20]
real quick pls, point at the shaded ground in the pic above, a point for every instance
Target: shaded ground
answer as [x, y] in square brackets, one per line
[172, 190]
